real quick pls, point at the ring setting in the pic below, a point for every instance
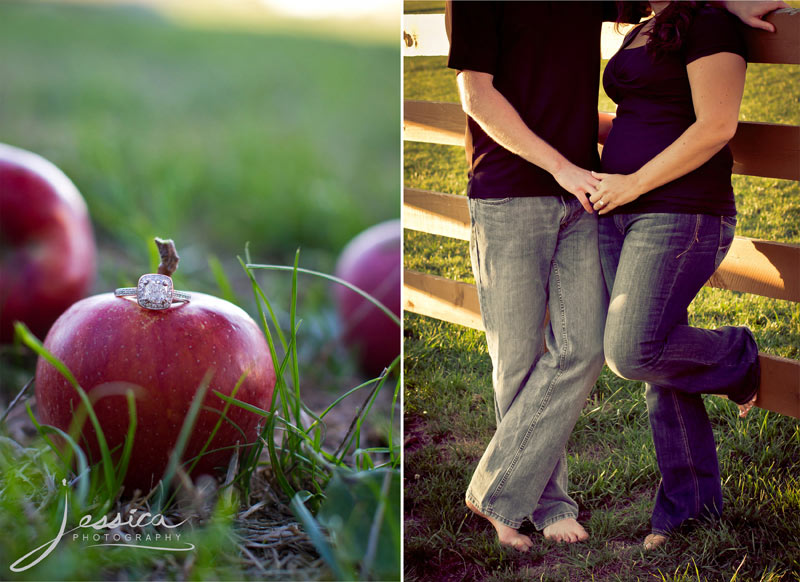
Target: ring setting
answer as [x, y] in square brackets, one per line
[154, 292]
[601, 203]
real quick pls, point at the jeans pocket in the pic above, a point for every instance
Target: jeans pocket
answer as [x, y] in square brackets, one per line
[493, 201]
[727, 229]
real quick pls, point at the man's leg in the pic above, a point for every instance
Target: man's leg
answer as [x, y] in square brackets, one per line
[578, 301]
[524, 251]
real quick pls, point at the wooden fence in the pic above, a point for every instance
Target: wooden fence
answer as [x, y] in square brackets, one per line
[764, 268]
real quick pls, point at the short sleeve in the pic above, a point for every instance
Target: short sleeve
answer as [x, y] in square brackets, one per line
[714, 31]
[474, 41]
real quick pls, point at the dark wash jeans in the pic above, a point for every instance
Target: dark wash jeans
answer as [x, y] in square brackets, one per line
[654, 265]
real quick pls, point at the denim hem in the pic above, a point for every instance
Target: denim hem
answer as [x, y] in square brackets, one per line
[660, 532]
[493, 514]
[554, 519]
[753, 376]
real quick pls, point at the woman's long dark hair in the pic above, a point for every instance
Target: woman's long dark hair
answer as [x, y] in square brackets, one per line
[669, 28]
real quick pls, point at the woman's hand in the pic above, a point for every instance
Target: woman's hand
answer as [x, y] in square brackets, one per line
[613, 191]
[578, 182]
[752, 13]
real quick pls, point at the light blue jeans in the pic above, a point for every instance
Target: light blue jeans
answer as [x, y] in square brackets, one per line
[654, 265]
[529, 254]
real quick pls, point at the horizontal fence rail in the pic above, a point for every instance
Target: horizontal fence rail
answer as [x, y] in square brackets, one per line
[424, 35]
[446, 124]
[457, 302]
[769, 269]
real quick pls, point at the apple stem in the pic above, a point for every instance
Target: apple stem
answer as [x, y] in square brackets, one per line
[169, 256]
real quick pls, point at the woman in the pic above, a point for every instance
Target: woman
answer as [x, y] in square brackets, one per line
[668, 218]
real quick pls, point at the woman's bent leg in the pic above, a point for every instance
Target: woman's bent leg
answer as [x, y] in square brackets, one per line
[664, 261]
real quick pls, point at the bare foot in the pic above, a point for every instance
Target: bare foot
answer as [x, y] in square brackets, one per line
[507, 535]
[653, 541]
[745, 408]
[566, 530]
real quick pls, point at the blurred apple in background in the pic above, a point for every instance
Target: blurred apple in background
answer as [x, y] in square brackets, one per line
[110, 344]
[47, 251]
[371, 262]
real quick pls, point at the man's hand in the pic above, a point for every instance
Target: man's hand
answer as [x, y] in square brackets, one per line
[752, 12]
[578, 182]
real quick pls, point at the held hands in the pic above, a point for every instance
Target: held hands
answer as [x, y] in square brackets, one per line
[578, 182]
[614, 190]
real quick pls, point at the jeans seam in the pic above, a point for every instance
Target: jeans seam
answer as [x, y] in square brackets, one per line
[545, 399]
[722, 226]
[698, 218]
[525, 439]
[688, 450]
[475, 248]
[556, 518]
[618, 223]
[492, 513]
[562, 356]
[673, 283]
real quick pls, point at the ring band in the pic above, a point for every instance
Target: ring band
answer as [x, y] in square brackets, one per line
[154, 292]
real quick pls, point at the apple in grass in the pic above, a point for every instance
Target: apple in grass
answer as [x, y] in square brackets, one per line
[47, 251]
[111, 343]
[372, 262]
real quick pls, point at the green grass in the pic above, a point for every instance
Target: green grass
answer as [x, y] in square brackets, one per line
[449, 410]
[282, 139]
[213, 138]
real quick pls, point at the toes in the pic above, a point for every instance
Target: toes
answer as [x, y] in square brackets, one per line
[653, 541]
[519, 543]
[744, 409]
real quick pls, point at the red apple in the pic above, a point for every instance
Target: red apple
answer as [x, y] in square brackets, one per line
[47, 261]
[110, 343]
[371, 262]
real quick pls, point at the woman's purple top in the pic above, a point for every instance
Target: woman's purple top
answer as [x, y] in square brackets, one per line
[655, 107]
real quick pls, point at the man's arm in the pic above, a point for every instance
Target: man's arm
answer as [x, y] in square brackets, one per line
[498, 118]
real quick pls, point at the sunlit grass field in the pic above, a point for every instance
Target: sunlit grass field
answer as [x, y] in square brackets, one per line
[282, 139]
[449, 411]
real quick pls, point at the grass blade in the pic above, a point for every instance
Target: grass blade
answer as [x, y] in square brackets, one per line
[83, 464]
[16, 399]
[122, 469]
[183, 438]
[222, 280]
[312, 528]
[223, 416]
[32, 342]
[350, 286]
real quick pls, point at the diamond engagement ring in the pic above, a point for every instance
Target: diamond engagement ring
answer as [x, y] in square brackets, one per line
[601, 202]
[154, 292]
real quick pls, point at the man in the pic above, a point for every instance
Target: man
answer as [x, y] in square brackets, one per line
[528, 75]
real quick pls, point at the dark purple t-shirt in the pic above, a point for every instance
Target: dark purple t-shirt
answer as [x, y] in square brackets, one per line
[550, 77]
[655, 107]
